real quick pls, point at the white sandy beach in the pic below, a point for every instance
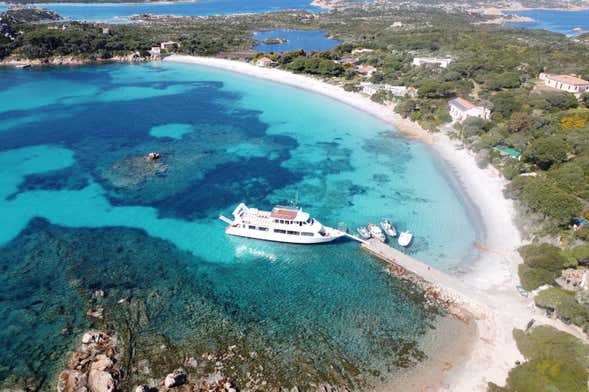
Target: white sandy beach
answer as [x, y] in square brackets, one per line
[491, 280]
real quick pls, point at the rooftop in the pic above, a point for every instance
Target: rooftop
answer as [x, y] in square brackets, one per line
[568, 79]
[462, 104]
[509, 151]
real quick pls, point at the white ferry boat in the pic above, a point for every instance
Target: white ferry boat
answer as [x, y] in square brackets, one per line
[282, 224]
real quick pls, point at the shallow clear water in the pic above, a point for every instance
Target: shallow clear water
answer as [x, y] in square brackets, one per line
[112, 11]
[296, 39]
[557, 21]
[82, 209]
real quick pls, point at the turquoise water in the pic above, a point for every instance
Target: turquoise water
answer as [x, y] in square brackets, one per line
[563, 22]
[83, 210]
[296, 39]
[112, 11]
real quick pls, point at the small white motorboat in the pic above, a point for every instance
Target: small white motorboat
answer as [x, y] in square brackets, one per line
[363, 231]
[405, 238]
[376, 232]
[388, 228]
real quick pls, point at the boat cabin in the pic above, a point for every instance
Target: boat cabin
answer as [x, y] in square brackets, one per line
[290, 216]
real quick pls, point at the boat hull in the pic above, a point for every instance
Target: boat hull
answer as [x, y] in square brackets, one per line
[284, 238]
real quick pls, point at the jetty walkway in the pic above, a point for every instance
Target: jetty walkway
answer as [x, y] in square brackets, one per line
[443, 287]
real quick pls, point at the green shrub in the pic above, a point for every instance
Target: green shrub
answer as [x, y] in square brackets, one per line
[556, 361]
[532, 278]
[564, 304]
[542, 264]
[511, 169]
[547, 151]
[583, 234]
[581, 253]
[542, 196]
[544, 256]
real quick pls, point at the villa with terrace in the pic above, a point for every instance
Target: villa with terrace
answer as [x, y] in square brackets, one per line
[569, 83]
[461, 109]
[366, 70]
[264, 62]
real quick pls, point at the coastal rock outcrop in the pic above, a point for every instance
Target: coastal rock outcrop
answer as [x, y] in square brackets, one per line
[94, 367]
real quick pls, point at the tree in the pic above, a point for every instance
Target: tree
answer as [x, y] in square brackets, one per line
[434, 89]
[500, 81]
[505, 103]
[546, 151]
[474, 126]
[406, 107]
[585, 99]
[542, 196]
[519, 122]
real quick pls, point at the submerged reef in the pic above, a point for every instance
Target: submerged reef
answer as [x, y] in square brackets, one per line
[169, 310]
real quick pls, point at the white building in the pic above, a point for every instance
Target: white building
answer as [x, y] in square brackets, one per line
[264, 61]
[362, 51]
[155, 52]
[442, 62]
[460, 109]
[169, 45]
[569, 83]
[371, 88]
[366, 70]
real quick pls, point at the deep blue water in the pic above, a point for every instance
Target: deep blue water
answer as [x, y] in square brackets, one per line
[112, 11]
[557, 21]
[296, 39]
[83, 210]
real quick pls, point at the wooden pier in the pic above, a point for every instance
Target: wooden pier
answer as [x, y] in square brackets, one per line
[448, 289]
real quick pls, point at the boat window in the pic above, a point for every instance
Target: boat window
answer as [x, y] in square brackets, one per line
[307, 234]
[293, 232]
[279, 231]
[263, 228]
[253, 227]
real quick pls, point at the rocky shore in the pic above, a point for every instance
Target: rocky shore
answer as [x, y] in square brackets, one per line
[72, 60]
[95, 366]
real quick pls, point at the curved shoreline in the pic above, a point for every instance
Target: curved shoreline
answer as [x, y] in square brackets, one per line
[492, 278]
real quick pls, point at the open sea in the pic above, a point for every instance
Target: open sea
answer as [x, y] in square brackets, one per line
[83, 210]
[111, 12]
[563, 22]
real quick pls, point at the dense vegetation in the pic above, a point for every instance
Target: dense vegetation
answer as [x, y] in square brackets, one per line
[542, 264]
[215, 35]
[565, 306]
[555, 361]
